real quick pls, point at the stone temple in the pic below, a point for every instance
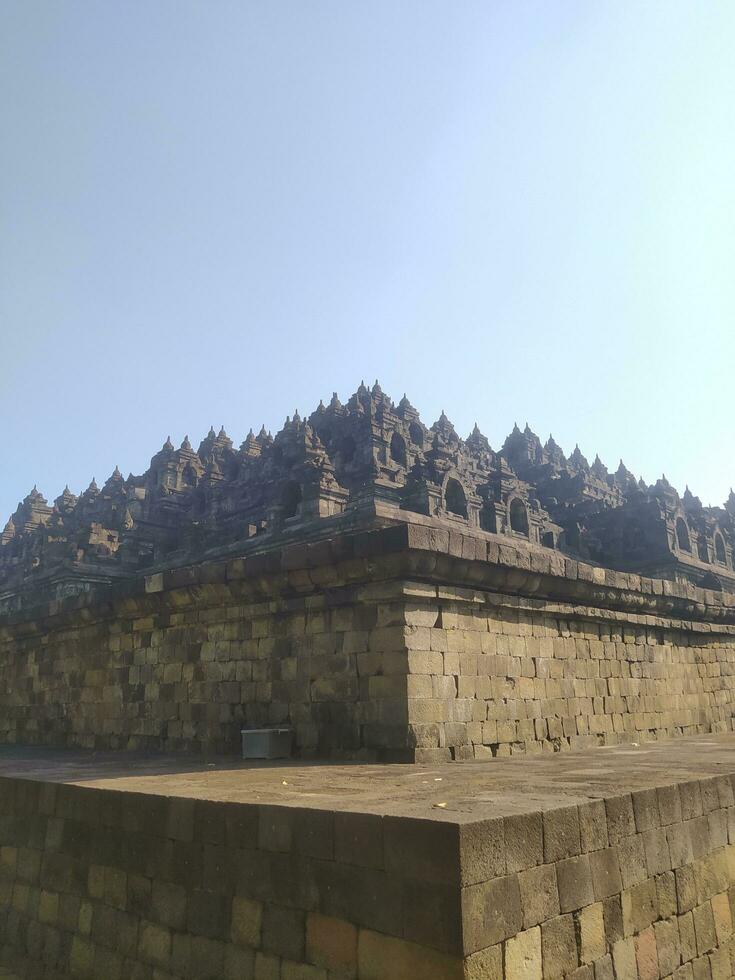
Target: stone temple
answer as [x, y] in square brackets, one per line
[509, 677]
[365, 464]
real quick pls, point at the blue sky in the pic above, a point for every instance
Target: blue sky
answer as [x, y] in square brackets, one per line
[214, 213]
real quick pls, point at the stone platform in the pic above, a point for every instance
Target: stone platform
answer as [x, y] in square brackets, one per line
[611, 864]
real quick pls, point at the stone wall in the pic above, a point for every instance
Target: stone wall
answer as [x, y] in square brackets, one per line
[411, 643]
[633, 885]
[186, 669]
[637, 886]
[124, 886]
[494, 675]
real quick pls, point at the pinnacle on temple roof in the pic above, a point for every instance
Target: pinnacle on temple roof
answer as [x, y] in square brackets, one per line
[116, 476]
[598, 468]
[168, 446]
[211, 433]
[92, 488]
[250, 445]
[186, 445]
[377, 390]
[66, 500]
[578, 459]
[689, 499]
[222, 434]
[334, 403]
[35, 496]
[476, 440]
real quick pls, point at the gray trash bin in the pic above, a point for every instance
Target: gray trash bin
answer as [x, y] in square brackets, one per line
[266, 743]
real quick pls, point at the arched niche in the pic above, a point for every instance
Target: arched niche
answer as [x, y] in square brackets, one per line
[455, 500]
[416, 434]
[347, 449]
[290, 499]
[398, 449]
[682, 535]
[720, 553]
[518, 516]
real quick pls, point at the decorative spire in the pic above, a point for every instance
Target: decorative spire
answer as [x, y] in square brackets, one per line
[186, 445]
[168, 446]
[578, 460]
[476, 440]
[598, 468]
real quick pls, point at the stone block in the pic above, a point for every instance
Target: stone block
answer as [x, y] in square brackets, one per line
[239, 963]
[591, 933]
[429, 849]
[332, 944]
[558, 947]
[491, 912]
[523, 956]
[154, 944]
[723, 917]
[646, 955]
[704, 928]
[168, 905]
[574, 879]
[208, 914]
[561, 834]
[487, 964]
[358, 839]
[687, 937]
[639, 906]
[523, 841]
[539, 894]
[246, 918]
[666, 894]
[605, 871]
[667, 945]
[624, 960]
[482, 851]
[593, 826]
[604, 969]
[380, 956]
[620, 818]
[283, 932]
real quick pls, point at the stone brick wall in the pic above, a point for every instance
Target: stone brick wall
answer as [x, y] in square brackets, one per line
[96, 883]
[124, 886]
[186, 669]
[410, 643]
[639, 886]
[494, 675]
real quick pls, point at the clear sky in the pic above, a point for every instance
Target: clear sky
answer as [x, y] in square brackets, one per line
[217, 212]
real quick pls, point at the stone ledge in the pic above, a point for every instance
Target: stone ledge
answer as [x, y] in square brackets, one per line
[486, 562]
[573, 866]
